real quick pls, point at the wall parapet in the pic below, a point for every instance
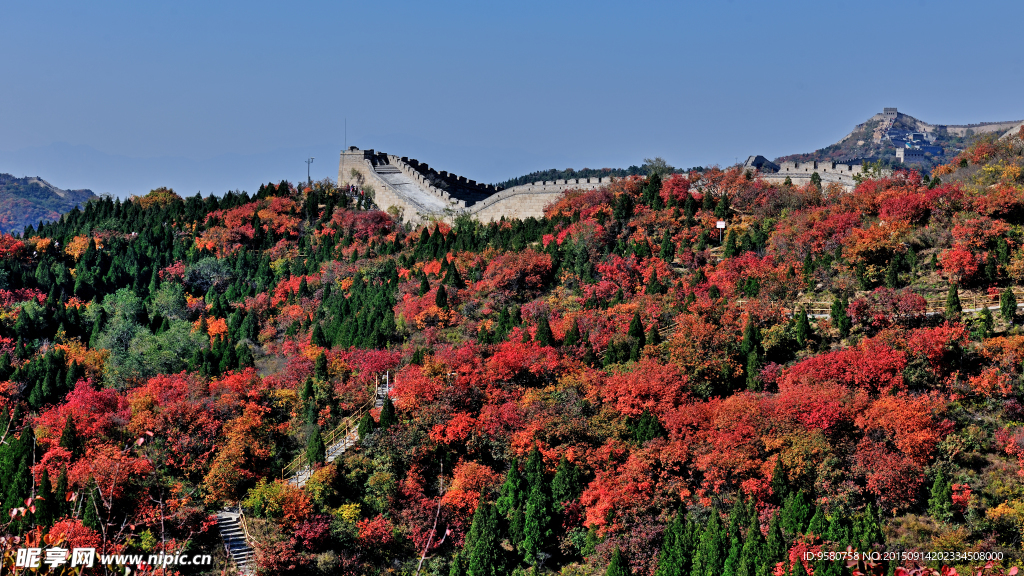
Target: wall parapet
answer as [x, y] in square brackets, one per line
[821, 168]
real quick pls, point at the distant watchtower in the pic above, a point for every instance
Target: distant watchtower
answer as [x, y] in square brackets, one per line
[889, 113]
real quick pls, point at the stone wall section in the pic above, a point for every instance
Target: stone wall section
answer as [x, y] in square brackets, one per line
[484, 202]
[528, 200]
[384, 195]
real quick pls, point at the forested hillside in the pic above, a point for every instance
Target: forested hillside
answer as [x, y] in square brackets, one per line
[26, 201]
[611, 389]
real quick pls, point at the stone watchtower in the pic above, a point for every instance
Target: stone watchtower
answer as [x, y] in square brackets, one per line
[354, 159]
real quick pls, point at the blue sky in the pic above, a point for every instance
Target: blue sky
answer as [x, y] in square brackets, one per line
[122, 97]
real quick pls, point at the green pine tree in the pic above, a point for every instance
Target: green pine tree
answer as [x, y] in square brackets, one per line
[774, 550]
[751, 338]
[840, 319]
[636, 330]
[46, 509]
[668, 248]
[722, 209]
[366, 426]
[816, 180]
[753, 548]
[618, 566]
[441, 298]
[780, 482]
[60, 506]
[544, 336]
[730, 245]
[70, 440]
[645, 428]
[796, 512]
[1008, 305]
[819, 524]
[803, 328]
[953, 309]
[387, 417]
[320, 369]
[892, 272]
[838, 531]
[318, 338]
[572, 335]
[867, 530]
[702, 241]
[316, 452]
[90, 509]
[737, 522]
[482, 550]
[676, 553]
[985, 324]
[940, 502]
[709, 557]
[565, 487]
[536, 525]
[512, 500]
[753, 372]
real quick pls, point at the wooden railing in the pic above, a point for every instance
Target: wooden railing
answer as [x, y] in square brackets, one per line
[245, 526]
[336, 435]
[933, 305]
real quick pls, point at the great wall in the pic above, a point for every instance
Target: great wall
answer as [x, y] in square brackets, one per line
[418, 192]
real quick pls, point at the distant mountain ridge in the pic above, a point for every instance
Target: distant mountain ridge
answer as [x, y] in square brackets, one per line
[883, 134]
[29, 200]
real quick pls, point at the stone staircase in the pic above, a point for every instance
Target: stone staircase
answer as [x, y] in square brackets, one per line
[231, 522]
[236, 541]
[341, 438]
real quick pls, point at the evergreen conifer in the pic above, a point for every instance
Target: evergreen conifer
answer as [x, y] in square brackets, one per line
[803, 328]
[1008, 305]
[512, 499]
[565, 487]
[636, 329]
[536, 524]
[482, 550]
[667, 251]
[709, 557]
[388, 417]
[572, 335]
[940, 502]
[618, 565]
[45, 506]
[441, 297]
[366, 426]
[544, 335]
[774, 550]
[730, 245]
[69, 439]
[753, 545]
[953, 309]
[316, 452]
[840, 319]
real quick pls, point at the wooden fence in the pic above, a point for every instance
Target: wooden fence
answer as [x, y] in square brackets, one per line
[331, 438]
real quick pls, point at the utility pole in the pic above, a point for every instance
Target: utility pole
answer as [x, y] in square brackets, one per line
[309, 181]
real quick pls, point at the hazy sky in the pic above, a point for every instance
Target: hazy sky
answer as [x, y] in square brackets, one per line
[122, 97]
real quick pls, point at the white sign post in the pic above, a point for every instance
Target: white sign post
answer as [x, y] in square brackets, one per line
[721, 226]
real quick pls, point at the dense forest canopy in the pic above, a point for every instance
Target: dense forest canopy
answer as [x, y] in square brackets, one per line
[616, 388]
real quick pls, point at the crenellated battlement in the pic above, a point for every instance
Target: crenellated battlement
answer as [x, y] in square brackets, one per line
[423, 192]
[819, 167]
